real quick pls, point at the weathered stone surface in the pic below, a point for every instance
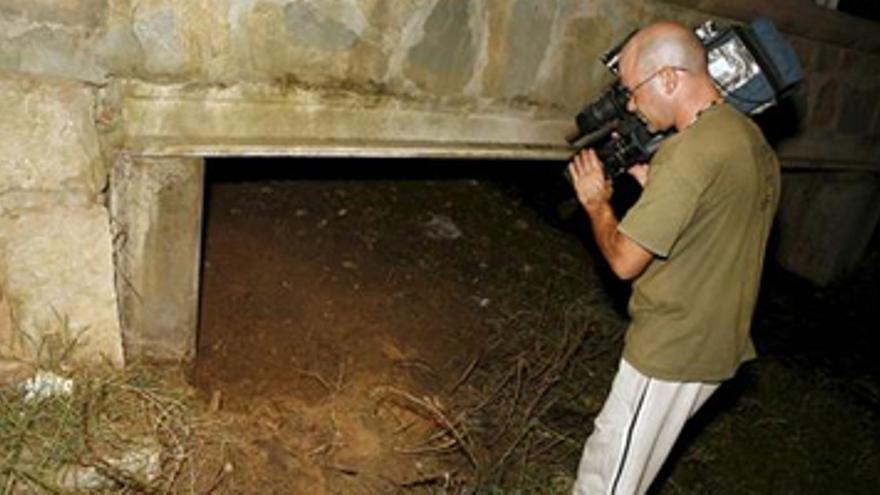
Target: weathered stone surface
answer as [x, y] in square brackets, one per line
[443, 61]
[157, 215]
[807, 52]
[160, 35]
[48, 49]
[87, 13]
[8, 339]
[48, 139]
[857, 112]
[120, 52]
[825, 222]
[305, 41]
[825, 104]
[57, 270]
[828, 58]
[869, 66]
[514, 57]
[572, 73]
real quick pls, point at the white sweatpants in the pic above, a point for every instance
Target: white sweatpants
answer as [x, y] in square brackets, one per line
[635, 431]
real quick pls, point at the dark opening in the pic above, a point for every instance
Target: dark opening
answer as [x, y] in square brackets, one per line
[350, 307]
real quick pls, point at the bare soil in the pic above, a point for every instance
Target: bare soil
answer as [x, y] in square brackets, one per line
[377, 327]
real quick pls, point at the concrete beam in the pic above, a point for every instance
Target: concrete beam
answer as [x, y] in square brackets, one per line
[223, 123]
[156, 207]
[316, 124]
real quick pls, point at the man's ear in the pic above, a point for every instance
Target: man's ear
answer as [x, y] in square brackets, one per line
[669, 79]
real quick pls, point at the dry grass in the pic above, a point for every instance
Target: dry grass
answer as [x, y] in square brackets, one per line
[133, 431]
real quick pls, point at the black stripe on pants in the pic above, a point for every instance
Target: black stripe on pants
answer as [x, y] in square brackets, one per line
[629, 434]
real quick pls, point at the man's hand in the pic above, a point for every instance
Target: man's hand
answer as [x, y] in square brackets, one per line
[588, 179]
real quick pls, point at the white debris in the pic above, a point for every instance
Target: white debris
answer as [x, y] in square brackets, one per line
[45, 384]
[441, 227]
[140, 463]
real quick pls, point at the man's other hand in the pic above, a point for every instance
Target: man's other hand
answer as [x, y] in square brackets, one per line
[588, 179]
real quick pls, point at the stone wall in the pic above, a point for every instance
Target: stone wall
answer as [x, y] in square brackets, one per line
[91, 85]
[55, 256]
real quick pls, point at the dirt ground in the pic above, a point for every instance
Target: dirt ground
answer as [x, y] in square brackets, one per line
[353, 311]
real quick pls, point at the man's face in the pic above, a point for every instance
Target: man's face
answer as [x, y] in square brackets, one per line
[645, 97]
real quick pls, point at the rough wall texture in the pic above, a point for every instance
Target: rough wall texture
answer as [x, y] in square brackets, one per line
[357, 72]
[55, 264]
[55, 269]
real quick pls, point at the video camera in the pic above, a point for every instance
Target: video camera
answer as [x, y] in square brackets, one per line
[753, 66]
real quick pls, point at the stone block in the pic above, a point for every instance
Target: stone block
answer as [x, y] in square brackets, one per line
[857, 112]
[316, 43]
[524, 36]
[828, 59]
[49, 141]
[88, 13]
[161, 35]
[571, 72]
[825, 222]
[57, 271]
[443, 60]
[808, 52]
[157, 217]
[48, 49]
[825, 104]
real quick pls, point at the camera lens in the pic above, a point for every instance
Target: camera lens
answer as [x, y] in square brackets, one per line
[607, 108]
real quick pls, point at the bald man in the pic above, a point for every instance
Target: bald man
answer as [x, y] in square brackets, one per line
[693, 244]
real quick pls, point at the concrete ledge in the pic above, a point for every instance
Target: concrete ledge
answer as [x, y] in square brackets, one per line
[351, 148]
[168, 122]
[309, 124]
[170, 127]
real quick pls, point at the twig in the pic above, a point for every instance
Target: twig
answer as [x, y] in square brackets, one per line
[318, 378]
[464, 376]
[439, 416]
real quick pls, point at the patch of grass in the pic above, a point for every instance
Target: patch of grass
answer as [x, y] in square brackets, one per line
[128, 431]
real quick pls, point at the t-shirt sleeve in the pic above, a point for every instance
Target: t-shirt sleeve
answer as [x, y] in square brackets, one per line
[662, 212]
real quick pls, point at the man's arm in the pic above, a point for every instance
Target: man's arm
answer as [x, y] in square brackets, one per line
[626, 258]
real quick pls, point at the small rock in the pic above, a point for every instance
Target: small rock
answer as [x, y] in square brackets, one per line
[441, 227]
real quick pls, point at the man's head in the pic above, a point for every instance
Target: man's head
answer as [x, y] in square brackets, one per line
[664, 68]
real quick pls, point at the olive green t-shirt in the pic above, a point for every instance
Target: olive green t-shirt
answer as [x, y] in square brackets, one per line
[705, 214]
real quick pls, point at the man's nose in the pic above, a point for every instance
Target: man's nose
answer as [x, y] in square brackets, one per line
[631, 105]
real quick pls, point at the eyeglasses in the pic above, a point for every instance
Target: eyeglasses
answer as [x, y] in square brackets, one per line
[632, 92]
